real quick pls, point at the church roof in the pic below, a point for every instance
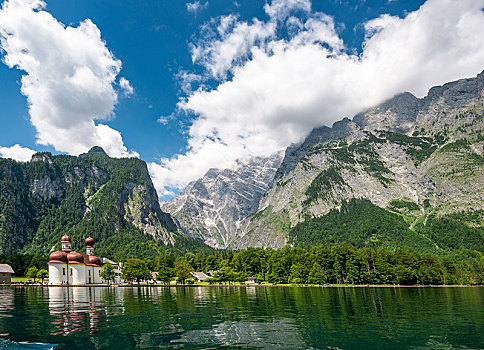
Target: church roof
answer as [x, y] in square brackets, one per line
[91, 260]
[61, 257]
[89, 241]
[58, 257]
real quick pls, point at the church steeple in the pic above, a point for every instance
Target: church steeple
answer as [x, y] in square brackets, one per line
[66, 243]
[89, 246]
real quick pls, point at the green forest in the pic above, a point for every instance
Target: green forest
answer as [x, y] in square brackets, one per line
[363, 224]
[83, 196]
[322, 264]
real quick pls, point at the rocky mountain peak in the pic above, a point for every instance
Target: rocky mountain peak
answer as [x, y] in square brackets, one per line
[421, 157]
[42, 157]
[397, 114]
[294, 153]
[114, 196]
[212, 207]
[97, 150]
[411, 158]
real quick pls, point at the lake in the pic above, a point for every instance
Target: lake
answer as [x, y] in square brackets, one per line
[242, 317]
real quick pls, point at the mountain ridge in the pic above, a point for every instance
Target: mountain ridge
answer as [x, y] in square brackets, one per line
[425, 152]
[111, 199]
[211, 208]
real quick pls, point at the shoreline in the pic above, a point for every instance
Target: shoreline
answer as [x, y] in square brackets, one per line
[244, 285]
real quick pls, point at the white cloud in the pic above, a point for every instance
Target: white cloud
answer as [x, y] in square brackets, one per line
[126, 86]
[196, 6]
[17, 152]
[281, 88]
[186, 80]
[69, 77]
[281, 9]
[232, 45]
[165, 119]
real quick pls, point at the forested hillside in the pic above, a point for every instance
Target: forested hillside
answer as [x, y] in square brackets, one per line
[112, 200]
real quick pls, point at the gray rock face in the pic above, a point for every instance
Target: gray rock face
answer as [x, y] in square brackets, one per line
[213, 207]
[397, 114]
[418, 150]
[427, 151]
[141, 207]
[295, 153]
[46, 188]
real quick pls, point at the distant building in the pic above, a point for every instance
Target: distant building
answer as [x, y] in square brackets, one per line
[118, 268]
[251, 279]
[153, 277]
[200, 276]
[72, 268]
[6, 273]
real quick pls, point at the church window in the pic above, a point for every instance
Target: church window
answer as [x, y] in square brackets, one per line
[63, 271]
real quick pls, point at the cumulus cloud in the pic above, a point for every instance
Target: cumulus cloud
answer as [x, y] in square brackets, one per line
[281, 9]
[225, 42]
[279, 88]
[69, 77]
[17, 152]
[126, 86]
[186, 80]
[196, 6]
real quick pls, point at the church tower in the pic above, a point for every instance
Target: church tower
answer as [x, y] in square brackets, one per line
[66, 243]
[89, 246]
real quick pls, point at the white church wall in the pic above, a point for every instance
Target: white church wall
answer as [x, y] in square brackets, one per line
[97, 275]
[78, 273]
[55, 274]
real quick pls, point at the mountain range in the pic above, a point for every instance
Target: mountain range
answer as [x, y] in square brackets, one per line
[408, 173]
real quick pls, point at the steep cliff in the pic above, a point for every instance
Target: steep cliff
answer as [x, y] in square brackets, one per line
[112, 200]
[420, 160]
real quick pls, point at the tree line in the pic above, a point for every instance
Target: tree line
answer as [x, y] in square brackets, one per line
[322, 264]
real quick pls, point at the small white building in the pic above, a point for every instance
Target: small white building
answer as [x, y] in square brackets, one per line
[67, 267]
[200, 276]
[118, 268]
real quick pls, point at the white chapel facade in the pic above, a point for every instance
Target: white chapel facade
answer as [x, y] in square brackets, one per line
[67, 267]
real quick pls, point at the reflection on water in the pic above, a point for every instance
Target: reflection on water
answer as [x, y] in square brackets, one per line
[279, 334]
[11, 345]
[6, 301]
[252, 317]
[72, 307]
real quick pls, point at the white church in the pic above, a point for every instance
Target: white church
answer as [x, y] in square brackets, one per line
[67, 267]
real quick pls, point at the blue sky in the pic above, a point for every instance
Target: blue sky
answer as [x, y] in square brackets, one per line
[191, 85]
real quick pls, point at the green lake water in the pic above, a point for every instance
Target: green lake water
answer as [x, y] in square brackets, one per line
[242, 317]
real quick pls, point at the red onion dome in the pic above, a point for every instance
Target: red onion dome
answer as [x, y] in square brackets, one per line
[58, 256]
[66, 238]
[75, 257]
[89, 241]
[94, 260]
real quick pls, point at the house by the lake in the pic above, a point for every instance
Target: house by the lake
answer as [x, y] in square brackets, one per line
[117, 268]
[6, 273]
[200, 276]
